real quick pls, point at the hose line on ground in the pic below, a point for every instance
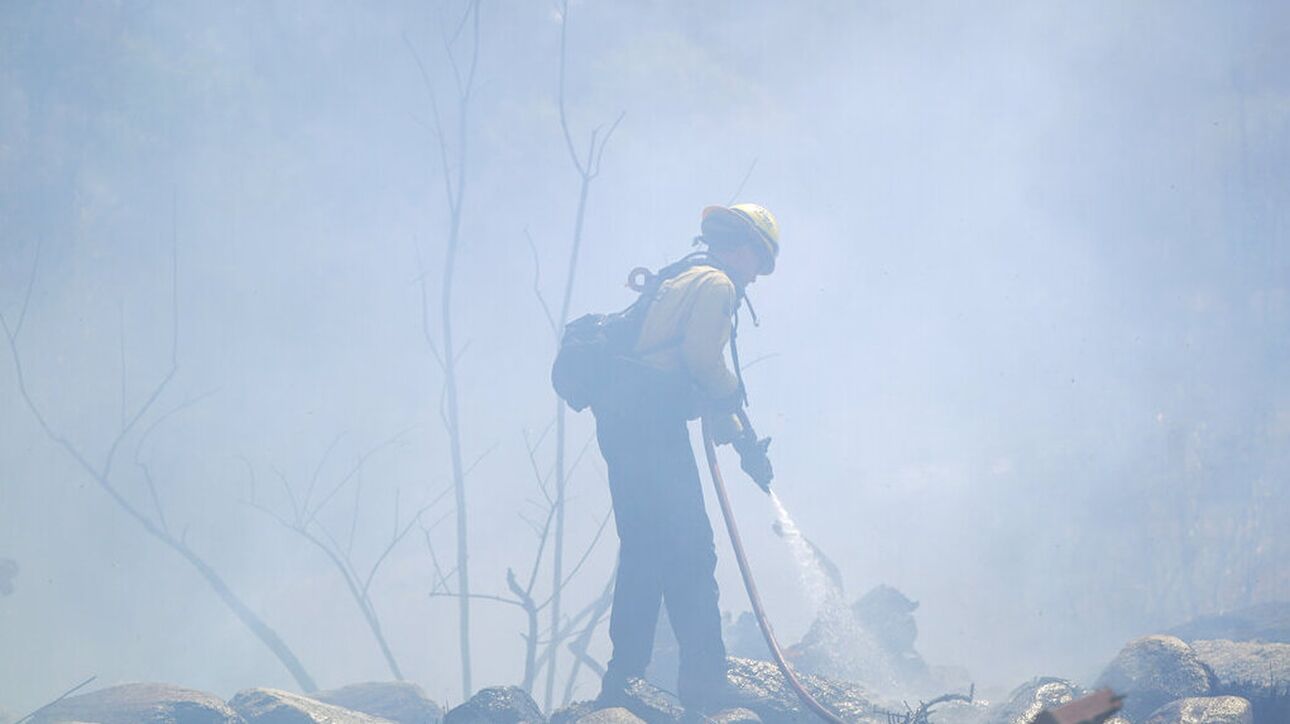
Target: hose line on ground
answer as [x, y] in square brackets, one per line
[709, 448]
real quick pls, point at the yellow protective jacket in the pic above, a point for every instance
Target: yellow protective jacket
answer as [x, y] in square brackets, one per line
[687, 329]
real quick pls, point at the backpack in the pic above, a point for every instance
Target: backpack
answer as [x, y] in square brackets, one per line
[593, 345]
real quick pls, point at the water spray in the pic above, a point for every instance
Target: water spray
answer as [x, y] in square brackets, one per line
[718, 483]
[822, 592]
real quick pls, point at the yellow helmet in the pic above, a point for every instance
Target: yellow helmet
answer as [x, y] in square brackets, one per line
[743, 218]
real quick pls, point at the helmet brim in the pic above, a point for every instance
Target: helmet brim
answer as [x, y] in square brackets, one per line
[764, 246]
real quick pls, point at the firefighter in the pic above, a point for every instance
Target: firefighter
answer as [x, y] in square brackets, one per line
[666, 553]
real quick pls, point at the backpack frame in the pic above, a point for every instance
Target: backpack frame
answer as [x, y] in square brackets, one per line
[593, 345]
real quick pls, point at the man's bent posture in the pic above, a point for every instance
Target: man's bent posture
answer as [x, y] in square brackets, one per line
[667, 553]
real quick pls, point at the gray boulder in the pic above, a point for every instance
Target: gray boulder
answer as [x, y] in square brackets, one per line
[768, 694]
[572, 712]
[743, 637]
[615, 715]
[141, 704]
[1026, 701]
[497, 705]
[870, 642]
[1258, 672]
[641, 697]
[398, 701]
[734, 716]
[1203, 710]
[1154, 670]
[1244, 664]
[651, 703]
[1269, 622]
[651, 711]
[274, 706]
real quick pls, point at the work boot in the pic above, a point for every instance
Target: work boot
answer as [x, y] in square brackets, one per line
[638, 696]
[721, 697]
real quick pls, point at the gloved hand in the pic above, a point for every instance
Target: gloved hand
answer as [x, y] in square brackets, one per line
[754, 460]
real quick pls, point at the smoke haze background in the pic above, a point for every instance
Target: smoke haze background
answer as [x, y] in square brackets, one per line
[1024, 356]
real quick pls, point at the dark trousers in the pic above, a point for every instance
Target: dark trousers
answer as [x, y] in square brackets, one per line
[666, 553]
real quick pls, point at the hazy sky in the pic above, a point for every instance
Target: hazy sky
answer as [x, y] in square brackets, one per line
[1024, 355]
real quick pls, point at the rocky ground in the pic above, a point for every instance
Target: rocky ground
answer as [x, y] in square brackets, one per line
[1165, 679]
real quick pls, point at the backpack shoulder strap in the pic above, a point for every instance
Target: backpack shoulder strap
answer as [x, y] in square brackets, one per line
[648, 283]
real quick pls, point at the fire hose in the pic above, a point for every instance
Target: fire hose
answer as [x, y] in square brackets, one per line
[718, 483]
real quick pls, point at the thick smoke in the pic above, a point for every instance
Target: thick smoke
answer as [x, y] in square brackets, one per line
[1023, 358]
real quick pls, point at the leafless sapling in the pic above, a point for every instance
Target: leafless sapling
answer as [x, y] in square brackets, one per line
[446, 352]
[540, 644]
[587, 165]
[104, 475]
[304, 521]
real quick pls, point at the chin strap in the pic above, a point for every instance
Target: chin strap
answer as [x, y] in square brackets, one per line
[710, 449]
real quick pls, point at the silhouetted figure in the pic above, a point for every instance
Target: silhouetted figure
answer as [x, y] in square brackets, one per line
[676, 372]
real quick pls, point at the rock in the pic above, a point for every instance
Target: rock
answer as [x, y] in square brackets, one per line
[573, 712]
[497, 705]
[1203, 710]
[1268, 622]
[889, 615]
[398, 701]
[649, 702]
[274, 706]
[837, 646]
[615, 715]
[773, 700]
[743, 637]
[1256, 671]
[870, 642]
[142, 704]
[734, 716]
[1032, 697]
[1242, 664]
[1152, 671]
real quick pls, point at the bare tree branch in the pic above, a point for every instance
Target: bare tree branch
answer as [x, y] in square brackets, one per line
[740, 188]
[570, 627]
[120, 307]
[398, 536]
[297, 512]
[147, 471]
[477, 597]
[358, 466]
[449, 409]
[537, 285]
[313, 479]
[440, 580]
[305, 523]
[62, 696]
[437, 125]
[26, 296]
[158, 529]
[422, 274]
[579, 646]
[587, 169]
[531, 638]
[586, 553]
[600, 153]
